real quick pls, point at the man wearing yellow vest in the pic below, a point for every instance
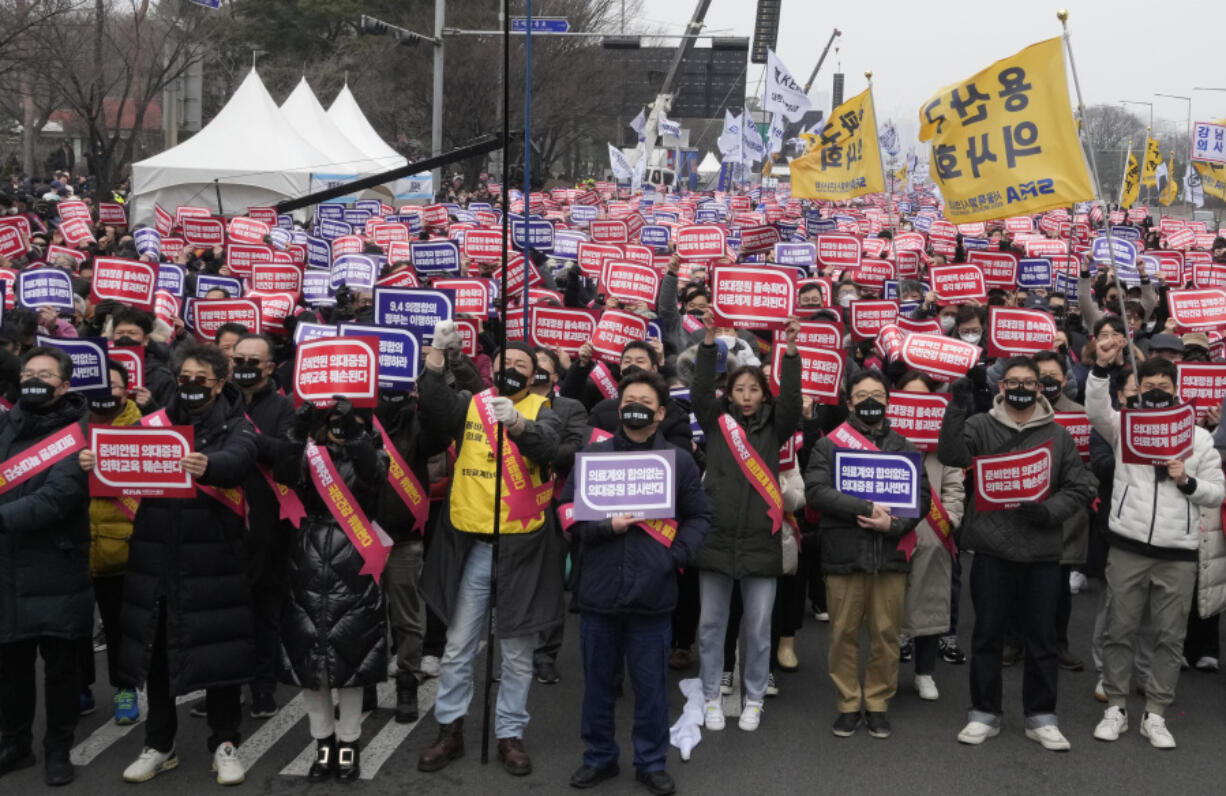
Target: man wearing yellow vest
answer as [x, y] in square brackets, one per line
[456, 583]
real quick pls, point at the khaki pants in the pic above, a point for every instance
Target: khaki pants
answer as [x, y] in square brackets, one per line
[875, 602]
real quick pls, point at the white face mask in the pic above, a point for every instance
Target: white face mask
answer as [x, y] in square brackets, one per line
[947, 323]
[970, 337]
[846, 299]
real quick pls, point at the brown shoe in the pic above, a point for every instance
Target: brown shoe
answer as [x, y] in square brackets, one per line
[447, 747]
[514, 757]
[680, 659]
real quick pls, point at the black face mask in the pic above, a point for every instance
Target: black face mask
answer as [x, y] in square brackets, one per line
[1051, 388]
[247, 377]
[125, 341]
[540, 377]
[1156, 399]
[870, 411]
[193, 396]
[1020, 397]
[510, 382]
[635, 416]
[35, 392]
[105, 406]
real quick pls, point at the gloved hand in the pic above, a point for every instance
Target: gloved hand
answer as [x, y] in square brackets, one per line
[504, 410]
[978, 376]
[304, 420]
[447, 337]
[1036, 514]
[961, 391]
[342, 421]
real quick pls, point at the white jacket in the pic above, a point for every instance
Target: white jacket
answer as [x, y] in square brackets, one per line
[1148, 511]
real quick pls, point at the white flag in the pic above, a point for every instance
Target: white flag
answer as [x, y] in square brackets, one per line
[621, 167]
[1192, 189]
[776, 139]
[640, 168]
[638, 123]
[729, 142]
[753, 149]
[889, 138]
[783, 94]
[668, 127]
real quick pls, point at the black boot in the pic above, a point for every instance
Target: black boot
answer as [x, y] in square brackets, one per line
[348, 762]
[406, 698]
[324, 766]
[370, 699]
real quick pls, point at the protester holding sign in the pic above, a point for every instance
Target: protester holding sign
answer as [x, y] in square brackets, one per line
[864, 566]
[745, 428]
[1154, 536]
[134, 327]
[187, 621]
[44, 564]
[458, 565]
[627, 591]
[1017, 550]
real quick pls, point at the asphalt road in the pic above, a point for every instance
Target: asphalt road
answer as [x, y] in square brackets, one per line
[793, 751]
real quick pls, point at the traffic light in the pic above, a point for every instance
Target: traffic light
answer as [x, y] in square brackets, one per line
[406, 38]
[765, 29]
[371, 26]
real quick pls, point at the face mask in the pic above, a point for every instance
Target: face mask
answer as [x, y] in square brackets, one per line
[1058, 312]
[870, 411]
[540, 377]
[35, 392]
[1051, 388]
[511, 382]
[970, 337]
[246, 377]
[1150, 326]
[846, 299]
[1156, 399]
[125, 341]
[635, 416]
[1063, 349]
[695, 313]
[1020, 398]
[947, 323]
[193, 396]
[104, 406]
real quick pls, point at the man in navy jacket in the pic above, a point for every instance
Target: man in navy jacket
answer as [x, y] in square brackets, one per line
[627, 593]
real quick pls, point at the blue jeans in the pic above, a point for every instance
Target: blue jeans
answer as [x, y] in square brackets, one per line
[758, 598]
[464, 634]
[644, 643]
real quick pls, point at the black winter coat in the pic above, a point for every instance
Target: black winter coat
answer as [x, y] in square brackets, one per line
[416, 442]
[45, 586]
[187, 562]
[269, 536]
[332, 620]
[675, 427]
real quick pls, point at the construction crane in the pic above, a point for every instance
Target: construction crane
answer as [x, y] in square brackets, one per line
[821, 60]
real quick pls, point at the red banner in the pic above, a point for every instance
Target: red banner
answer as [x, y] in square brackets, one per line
[630, 282]
[407, 486]
[1015, 331]
[138, 461]
[609, 231]
[472, 295]
[821, 373]
[329, 366]
[76, 231]
[593, 256]
[752, 297]
[917, 416]
[956, 284]
[247, 230]
[943, 358]
[754, 468]
[276, 278]
[999, 268]
[1006, 480]
[758, 239]
[874, 273]
[133, 360]
[1202, 384]
[837, 250]
[42, 455]
[868, 317]
[1078, 427]
[1197, 308]
[561, 328]
[208, 315]
[1155, 436]
[483, 245]
[203, 232]
[127, 281]
[701, 242]
[614, 330]
[817, 334]
[366, 537]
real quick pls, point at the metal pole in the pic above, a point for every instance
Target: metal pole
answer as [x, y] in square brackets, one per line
[491, 629]
[436, 111]
[527, 155]
[1062, 15]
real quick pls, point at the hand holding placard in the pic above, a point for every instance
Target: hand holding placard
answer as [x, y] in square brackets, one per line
[622, 522]
[194, 464]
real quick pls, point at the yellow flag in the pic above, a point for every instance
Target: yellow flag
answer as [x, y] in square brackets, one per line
[1212, 178]
[901, 174]
[1172, 185]
[1153, 159]
[1132, 181]
[1004, 142]
[844, 160]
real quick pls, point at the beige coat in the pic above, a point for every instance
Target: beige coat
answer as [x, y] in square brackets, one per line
[1211, 564]
[926, 607]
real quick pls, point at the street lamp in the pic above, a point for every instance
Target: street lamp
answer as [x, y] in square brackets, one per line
[1137, 102]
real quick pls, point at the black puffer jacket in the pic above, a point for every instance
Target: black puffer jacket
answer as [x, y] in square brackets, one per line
[45, 588]
[186, 557]
[332, 626]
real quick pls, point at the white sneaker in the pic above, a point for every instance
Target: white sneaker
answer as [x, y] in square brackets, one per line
[976, 732]
[725, 683]
[1154, 728]
[150, 763]
[1207, 663]
[1076, 582]
[227, 765]
[1114, 722]
[1050, 738]
[926, 687]
[772, 688]
[713, 711]
[431, 665]
[821, 616]
[751, 715]
[1100, 693]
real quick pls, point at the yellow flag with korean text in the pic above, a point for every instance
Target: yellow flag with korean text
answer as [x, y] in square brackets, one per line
[843, 161]
[1003, 141]
[1171, 190]
[1153, 159]
[1132, 181]
[1212, 178]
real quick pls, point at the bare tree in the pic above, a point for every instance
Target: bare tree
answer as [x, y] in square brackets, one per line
[28, 96]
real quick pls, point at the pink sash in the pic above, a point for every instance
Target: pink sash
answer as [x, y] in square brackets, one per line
[366, 537]
[754, 468]
[42, 455]
[404, 482]
[604, 379]
[663, 531]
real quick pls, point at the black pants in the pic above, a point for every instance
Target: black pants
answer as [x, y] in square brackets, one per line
[996, 585]
[685, 615]
[955, 594]
[1203, 637]
[224, 705]
[435, 640]
[18, 692]
[108, 592]
[926, 654]
[268, 551]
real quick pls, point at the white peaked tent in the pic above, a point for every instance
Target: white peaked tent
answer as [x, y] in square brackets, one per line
[255, 156]
[709, 165]
[303, 111]
[351, 122]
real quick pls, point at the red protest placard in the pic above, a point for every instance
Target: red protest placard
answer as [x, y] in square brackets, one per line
[943, 358]
[1198, 308]
[247, 230]
[133, 360]
[875, 247]
[1155, 436]
[866, 318]
[1170, 267]
[330, 366]
[1045, 248]
[630, 282]
[908, 264]
[925, 326]
[817, 334]
[1019, 224]
[434, 216]
[275, 307]
[955, 284]
[1202, 384]
[1206, 273]
[76, 231]
[468, 328]
[889, 342]
[70, 209]
[241, 258]
[999, 268]
[917, 416]
[166, 307]
[1016, 331]
[209, 314]
[516, 273]
[276, 278]
[54, 251]
[701, 242]
[1005, 480]
[472, 295]
[1078, 427]
[483, 245]
[752, 297]
[12, 244]
[874, 273]
[112, 214]
[759, 238]
[127, 281]
[609, 231]
[561, 328]
[942, 230]
[138, 461]
[821, 373]
[593, 256]
[614, 329]
[909, 241]
[838, 250]
[643, 255]
[203, 232]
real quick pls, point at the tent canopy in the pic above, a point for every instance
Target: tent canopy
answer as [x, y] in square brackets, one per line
[352, 123]
[304, 113]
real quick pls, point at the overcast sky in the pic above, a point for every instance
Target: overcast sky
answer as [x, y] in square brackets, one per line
[915, 48]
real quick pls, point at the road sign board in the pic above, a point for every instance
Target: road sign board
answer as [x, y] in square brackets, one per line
[541, 24]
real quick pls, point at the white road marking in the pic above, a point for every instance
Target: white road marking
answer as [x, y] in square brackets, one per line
[381, 747]
[271, 731]
[109, 733]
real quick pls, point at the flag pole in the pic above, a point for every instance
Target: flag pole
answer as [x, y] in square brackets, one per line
[1062, 15]
[889, 184]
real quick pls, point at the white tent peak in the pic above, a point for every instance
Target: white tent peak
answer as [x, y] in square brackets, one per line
[304, 113]
[348, 117]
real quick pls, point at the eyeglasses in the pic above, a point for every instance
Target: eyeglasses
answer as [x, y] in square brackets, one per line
[248, 362]
[1013, 384]
[1110, 335]
[857, 397]
[39, 374]
[199, 380]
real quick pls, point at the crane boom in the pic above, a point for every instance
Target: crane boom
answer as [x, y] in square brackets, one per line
[664, 99]
[818, 66]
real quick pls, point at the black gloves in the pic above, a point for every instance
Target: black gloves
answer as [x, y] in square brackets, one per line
[342, 422]
[961, 391]
[1036, 514]
[304, 420]
[978, 376]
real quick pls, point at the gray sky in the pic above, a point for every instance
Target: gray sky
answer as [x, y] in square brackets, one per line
[915, 48]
